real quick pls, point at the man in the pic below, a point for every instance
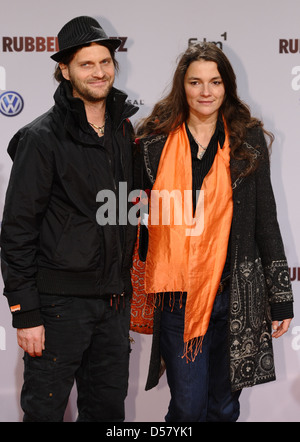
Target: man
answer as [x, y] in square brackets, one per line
[67, 278]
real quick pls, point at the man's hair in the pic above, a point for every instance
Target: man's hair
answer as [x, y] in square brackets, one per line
[70, 54]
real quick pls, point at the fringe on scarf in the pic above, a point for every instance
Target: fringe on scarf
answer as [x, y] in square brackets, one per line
[158, 299]
[191, 348]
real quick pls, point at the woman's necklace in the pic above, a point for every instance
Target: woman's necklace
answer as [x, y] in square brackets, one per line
[100, 129]
[200, 152]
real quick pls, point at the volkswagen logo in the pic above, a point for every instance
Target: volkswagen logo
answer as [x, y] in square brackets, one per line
[11, 104]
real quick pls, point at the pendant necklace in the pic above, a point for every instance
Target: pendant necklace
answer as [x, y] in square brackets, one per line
[200, 153]
[100, 129]
[201, 149]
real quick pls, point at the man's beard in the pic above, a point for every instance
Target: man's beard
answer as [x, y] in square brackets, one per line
[89, 94]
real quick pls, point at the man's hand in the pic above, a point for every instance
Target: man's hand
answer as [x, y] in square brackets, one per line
[280, 329]
[32, 340]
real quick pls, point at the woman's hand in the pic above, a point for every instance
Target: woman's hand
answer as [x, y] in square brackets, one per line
[280, 329]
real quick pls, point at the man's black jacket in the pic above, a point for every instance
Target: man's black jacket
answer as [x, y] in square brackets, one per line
[51, 241]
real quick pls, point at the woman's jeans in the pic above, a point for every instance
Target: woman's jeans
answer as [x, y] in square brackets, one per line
[87, 340]
[200, 390]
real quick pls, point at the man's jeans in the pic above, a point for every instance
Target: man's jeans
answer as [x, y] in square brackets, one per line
[200, 390]
[87, 340]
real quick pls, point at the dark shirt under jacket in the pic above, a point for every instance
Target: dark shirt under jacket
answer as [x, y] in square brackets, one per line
[200, 168]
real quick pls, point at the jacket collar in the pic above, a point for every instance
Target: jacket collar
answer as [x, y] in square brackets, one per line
[75, 120]
[153, 145]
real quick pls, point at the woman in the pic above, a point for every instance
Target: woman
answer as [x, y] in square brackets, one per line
[221, 275]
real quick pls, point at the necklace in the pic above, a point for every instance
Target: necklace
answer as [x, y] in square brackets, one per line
[199, 153]
[100, 129]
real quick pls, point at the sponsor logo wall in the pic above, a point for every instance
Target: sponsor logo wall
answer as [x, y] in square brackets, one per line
[262, 40]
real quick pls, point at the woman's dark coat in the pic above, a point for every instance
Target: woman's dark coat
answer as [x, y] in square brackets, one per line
[260, 284]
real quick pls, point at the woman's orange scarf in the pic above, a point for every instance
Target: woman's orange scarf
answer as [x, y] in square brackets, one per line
[187, 254]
